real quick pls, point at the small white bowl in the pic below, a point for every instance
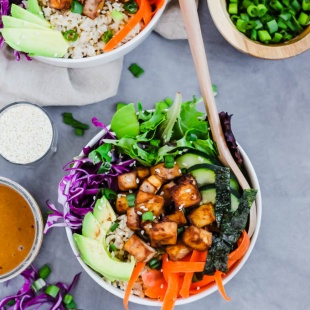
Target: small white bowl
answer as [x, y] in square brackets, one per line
[108, 56]
[38, 226]
[150, 302]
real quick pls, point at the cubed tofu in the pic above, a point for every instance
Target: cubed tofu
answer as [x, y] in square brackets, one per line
[128, 181]
[121, 204]
[166, 174]
[178, 251]
[177, 216]
[164, 233]
[139, 249]
[185, 195]
[187, 179]
[197, 238]
[147, 226]
[92, 8]
[60, 4]
[142, 197]
[133, 219]
[166, 192]
[151, 185]
[202, 216]
[143, 172]
[155, 205]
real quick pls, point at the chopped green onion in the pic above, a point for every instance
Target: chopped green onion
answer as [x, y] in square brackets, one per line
[114, 226]
[281, 24]
[71, 305]
[252, 10]
[117, 16]
[10, 303]
[245, 17]
[155, 142]
[52, 290]
[264, 36]
[38, 284]
[254, 34]
[181, 230]
[131, 200]
[76, 7]
[109, 194]
[306, 5]
[131, 7]
[44, 272]
[214, 88]
[303, 19]
[112, 247]
[78, 126]
[276, 5]
[272, 26]
[154, 263]
[107, 36]
[71, 35]
[136, 70]
[67, 299]
[148, 216]
[261, 10]
[120, 105]
[295, 5]
[184, 170]
[79, 132]
[233, 8]
[277, 37]
[169, 161]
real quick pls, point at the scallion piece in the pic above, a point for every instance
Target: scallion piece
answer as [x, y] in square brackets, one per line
[107, 36]
[44, 272]
[109, 194]
[276, 5]
[71, 305]
[233, 8]
[303, 19]
[214, 88]
[252, 10]
[181, 230]
[169, 161]
[79, 132]
[147, 216]
[296, 5]
[131, 7]
[272, 26]
[117, 16]
[154, 263]
[76, 7]
[38, 284]
[264, 36]
[306, 5]
[277, 37]
[131, 199]
[52, 290]
[136, 70]
[67, 299]
[114, 226]
[71, 35]
[254, 34]
[155, 142]
[112, 247]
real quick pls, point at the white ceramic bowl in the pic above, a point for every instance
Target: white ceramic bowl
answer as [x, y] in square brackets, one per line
[149, 302]
[109, 56]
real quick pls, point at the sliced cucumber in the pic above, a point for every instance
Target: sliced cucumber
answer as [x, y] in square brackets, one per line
[193, 158]
[234, 184]
[208, 194]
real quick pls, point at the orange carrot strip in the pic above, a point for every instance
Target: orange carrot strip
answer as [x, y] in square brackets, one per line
[134, 276]
[242, 247]
[153, 278]
[205, 281]
[165, 261]
[230, 263]
[177, 267]
[172, 291]
[219, 283]
[201, 289]
[157, 292]
[147, 13]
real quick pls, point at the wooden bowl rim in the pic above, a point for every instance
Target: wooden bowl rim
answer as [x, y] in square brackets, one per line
[294, 47]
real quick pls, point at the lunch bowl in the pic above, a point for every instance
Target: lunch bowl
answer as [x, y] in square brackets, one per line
[221, 18]
[38, 227]
[151, 302]
[107, 57]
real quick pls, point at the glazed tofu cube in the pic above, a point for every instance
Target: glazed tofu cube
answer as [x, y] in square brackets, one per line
[185, 195]
[92, 8]
[187, 179]
[197, 238]
[60, 4]
[147, 226]
[202, 216]
[142, 172]
[155, 205]
[166, 192]
[121, 204]
[164, 233]
[178, 251]
[177, 216]
[151, 185]
[166, 173]
[142, 197]
[128, 181]
[133, 219]
[139, 249]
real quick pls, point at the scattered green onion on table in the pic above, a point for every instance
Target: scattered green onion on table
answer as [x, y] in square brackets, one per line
[270, 22]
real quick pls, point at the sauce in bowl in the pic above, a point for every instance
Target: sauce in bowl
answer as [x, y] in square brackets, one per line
[17, 229]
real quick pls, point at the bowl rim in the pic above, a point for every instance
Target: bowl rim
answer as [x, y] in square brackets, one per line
[38, 220]
[238, 40]
[119, 50]
[150, 302]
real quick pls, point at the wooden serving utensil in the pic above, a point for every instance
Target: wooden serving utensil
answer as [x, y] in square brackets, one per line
[191, 19]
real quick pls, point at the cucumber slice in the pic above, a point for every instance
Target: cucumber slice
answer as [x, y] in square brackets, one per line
[191, 159]
[208, 194]
[234, 184]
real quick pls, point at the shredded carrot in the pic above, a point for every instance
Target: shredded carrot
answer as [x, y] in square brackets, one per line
[164, 265]
[219, 283]
[200, 289]
[172, 291]
[147, 15]
[134, 276]
[243, 245]
[205, 281]
[157, 292]
[177, 267]
[153, 278]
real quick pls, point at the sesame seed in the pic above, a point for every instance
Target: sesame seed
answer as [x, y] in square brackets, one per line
[198, 288]
[139, 212]
[137, 180]
[130, 191]
[142, 232]
[157, 170]
[161, 286]
[161, 193]
[188, 190]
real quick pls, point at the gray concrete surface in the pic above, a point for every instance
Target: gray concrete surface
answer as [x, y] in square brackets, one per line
[270, 102]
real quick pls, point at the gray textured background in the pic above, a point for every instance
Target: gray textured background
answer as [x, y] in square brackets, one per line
[271, 105]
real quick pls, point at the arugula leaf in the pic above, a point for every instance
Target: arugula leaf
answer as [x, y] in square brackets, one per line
[101, 154]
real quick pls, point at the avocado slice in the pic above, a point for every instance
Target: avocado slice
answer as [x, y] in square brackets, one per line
[20, 13]
[36, 42]
[91, 228]
[104, 213]
[34, 7]
[13, 22]
[95, 256]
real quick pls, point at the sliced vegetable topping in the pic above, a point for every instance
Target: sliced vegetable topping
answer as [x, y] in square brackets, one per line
[71, 35]
[136, 70]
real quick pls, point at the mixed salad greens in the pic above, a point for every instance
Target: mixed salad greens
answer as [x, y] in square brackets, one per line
[174, 146]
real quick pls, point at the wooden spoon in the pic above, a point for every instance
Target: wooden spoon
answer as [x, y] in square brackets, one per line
[190, 15]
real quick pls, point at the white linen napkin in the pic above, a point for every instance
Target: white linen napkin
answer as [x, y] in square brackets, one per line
[43, 84]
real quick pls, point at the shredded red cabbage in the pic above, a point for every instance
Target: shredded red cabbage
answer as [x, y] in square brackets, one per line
[77, 190]
[26, 297]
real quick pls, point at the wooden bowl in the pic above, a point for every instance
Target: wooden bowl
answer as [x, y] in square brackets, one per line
[221, 18]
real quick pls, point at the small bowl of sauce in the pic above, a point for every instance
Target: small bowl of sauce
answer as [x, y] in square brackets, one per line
[21, 229]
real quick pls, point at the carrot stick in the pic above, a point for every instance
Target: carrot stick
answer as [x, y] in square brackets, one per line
[157, 292]
[134, 276]
[205, 281]
[196, 256]
[147, 15]
[172, 291]
[201, 289]
[242, 247]
[165, 261]
[219, 283]
[176, 267]
[153, 278]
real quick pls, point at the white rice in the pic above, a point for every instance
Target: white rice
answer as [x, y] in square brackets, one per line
[90, 31]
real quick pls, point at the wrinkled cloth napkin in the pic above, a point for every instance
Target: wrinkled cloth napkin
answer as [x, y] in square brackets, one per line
[43, 84]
